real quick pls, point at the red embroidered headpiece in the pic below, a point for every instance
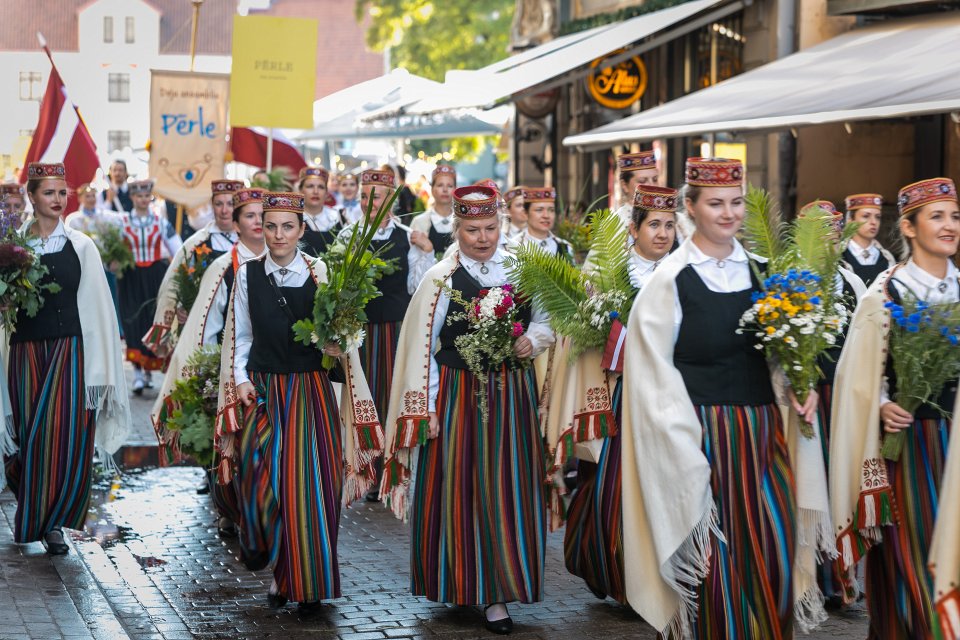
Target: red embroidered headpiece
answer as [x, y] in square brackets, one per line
[319, 172]
[377, 177]
[44, 171]
[282, 201]
[649, 197]
[516, 192]
[862, 200]
[636, 161]
[475, 208]
[913, 196]
[141, 186]
[443, 170]
[544, 194]
[714, 172]
[827, 207]
[489, 183]
[218, 187]
[243, 196]
[10, 189]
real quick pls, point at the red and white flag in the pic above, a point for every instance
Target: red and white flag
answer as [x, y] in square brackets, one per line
[249, 145]
[61, 136]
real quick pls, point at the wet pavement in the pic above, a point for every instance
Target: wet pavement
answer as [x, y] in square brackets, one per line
[151, 565]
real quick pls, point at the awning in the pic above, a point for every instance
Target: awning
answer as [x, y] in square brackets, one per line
[339, 116]
[891, 69]
[565, 58]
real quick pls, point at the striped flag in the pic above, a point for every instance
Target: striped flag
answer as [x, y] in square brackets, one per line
[613, 352]
[249, 145]
[61, 136]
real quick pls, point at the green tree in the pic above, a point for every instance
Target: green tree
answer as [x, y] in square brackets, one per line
[429, 38]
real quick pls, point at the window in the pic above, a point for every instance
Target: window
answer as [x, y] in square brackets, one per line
[108, 29]
[30, 85]
[117, 140]
[119, 87]
[129, 30]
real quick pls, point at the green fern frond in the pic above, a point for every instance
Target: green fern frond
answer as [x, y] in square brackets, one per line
[549, 281]
[608, 252]
[763, 227]
[812, 237]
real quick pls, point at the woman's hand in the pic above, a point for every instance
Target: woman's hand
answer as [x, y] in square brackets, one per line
[894, 417]
[113, 267]
[434, 429]
[246, 393]
[523, 348]
[182, 315]
[333, 350]
[421, 241]
[807, 410]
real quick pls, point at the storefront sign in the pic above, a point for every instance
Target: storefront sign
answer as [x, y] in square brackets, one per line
[538, 105]
[274, 72]
[617, 86]
[188, 133]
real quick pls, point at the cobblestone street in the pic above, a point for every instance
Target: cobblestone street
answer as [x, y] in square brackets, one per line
[151, 565]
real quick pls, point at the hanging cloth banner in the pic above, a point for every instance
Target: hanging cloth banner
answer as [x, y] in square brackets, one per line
[188, 133]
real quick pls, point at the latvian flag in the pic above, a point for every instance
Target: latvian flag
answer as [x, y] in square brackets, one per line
[613, 352]
[61, 136]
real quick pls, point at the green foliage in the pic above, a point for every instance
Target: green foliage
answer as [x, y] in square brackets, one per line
[114, 250]
[763, 226]
[194, 398]
[21, 274]
[187, 278]
[609, 270]
[278, 179]
[428, 38]
[352, 274]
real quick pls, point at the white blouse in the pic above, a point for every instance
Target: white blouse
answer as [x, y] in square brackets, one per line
[722, 276]
[323, 221]
[217, 313]
[640, 269]
[539, 332]
[54, 243]
[294, 274]
[866, 256]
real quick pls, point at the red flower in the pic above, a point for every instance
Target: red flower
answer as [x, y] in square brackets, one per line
[507, 301]
[517, 329]
[13, 256]
[484, 292]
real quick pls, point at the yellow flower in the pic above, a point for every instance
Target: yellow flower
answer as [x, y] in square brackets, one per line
[771, 331]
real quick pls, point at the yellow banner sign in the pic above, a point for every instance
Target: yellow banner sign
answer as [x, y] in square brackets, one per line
[274, 72]
[188, 133]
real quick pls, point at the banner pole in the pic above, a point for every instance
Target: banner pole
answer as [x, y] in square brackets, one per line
[179, 225]
[269, 150]
[193, 33]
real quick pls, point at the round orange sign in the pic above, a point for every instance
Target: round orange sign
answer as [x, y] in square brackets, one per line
[617, 86]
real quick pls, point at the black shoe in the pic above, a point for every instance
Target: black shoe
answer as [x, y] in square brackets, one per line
[56, 545]
[501, 627]
[255, 563]
[373, 495]
[599, 594]
[276, 600]
[833, 603]
[226, 528]
[307, 609]
[203, 489]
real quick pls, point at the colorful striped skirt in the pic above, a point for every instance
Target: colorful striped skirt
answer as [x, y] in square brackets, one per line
[51, 472]
[137, 290]
[290, 476]
[899, 586]
[593, 541]
[748, 592]
[226, 497]
[478, 522]
[378, 354]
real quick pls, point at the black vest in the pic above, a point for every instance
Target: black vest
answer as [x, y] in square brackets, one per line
[228, 277]
[828, 361]
[392, 305]
[948, 394]
[867, 272]
[315, 243]
[59, 317]
[463, 282]
[274, 349]
[439, 239]
[719, 366]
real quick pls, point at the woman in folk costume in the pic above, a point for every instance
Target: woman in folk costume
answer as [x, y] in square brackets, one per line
[864, 255]
[635, 169]
[944, 550]
[882, 507]
[11, 193]
[707, 480]
[349, 208]
[218, 238]
[294, 456]
[322, 222]
[66, 379]
[478, 511]
[413, 254]
[516, 219]
[593, 541]
[541, 216]
[436, 221]
[204, 326]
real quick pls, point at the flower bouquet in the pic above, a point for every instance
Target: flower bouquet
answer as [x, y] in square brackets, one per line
[195, 400]
[187, 277]
[21, 273]
[494, 326]
[924, 348]
[798, 315]
[582, 304]
[114, 250]
[352, 274]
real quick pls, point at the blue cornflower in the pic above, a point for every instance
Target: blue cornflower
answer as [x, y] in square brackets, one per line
[814, 300]
[614, 315]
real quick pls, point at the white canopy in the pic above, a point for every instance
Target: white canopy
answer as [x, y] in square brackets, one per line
[890, 69]
[539, 66]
